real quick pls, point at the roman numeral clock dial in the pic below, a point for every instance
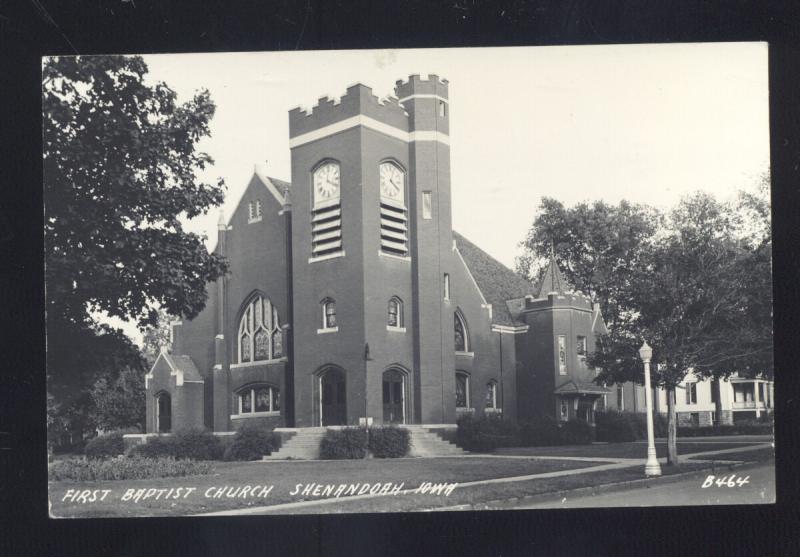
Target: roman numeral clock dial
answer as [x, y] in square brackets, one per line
[326, 183]
[392, 182]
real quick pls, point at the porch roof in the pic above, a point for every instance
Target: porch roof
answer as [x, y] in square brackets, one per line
[573, 388]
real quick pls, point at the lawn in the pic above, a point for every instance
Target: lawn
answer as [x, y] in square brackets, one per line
[623, 450]
[757, 455]
[284, 476]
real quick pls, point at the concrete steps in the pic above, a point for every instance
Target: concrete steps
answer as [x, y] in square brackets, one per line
[304, 443]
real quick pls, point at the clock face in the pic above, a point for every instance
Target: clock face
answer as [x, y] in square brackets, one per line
[326, 183]
[392, 182]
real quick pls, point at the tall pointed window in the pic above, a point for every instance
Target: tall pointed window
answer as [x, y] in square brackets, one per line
[260, 336]
[462, 390]
[395, 313]
[329, 314]
[326, 215]
[394, 218]
[491, 396]
[461, 333]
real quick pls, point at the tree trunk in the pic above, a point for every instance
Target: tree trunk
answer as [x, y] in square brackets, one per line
[716, 385]
[672, 428]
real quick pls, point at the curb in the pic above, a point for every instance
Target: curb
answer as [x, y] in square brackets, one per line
[590, 490]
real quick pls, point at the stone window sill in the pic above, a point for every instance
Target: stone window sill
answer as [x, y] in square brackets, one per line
[255, 415]
[258, 363]
[396, 329]
[327, 330]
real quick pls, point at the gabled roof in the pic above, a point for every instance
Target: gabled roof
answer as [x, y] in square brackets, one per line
[497, 283]
[181, 366]
[573, 388]
[553, 280]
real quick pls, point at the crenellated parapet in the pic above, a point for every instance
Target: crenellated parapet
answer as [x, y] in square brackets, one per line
[357, 101]
[572, 300]
[415, 85]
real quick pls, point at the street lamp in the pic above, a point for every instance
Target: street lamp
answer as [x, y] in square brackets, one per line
[652, 468]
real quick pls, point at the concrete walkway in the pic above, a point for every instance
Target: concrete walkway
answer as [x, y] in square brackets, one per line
[609, 464]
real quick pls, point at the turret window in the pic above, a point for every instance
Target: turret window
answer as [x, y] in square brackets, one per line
[562, 355]
[329, 322]
[260, 335]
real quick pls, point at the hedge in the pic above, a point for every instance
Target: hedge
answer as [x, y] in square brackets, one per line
[185, 444]
[347, 443]
[487, 433]
[105, 446]
[124, 468]
[252, 442]
[389, 441]
[621, 427]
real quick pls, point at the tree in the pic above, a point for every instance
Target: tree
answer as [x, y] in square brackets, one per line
[119, 402]
[155, 338]
[597, 246]
[120, 167]
[698, 298]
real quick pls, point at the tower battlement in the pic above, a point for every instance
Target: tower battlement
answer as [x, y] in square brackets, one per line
[357, 100]
[415, 85]
[575, 300]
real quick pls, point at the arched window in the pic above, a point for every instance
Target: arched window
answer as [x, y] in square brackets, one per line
[462, 390]
[258, 399]
[461, 333]
[329, 314]
[260, 336]
[396, 313]
[491, 396]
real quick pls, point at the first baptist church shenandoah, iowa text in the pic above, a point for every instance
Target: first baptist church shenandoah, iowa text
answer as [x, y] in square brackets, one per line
[350, 296]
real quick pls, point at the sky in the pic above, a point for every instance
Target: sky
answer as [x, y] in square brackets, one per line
[646, 123]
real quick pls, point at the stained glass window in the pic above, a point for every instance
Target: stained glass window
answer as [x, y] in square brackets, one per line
[259, 399]
[491, 395]
[262, 345]
[247, 401]
[256, 331]
[562, 354]
[276, 400]
[395, 313]
[262, 399]
[329, 315]
[277, 344]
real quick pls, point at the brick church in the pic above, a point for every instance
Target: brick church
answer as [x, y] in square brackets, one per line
[350, 296]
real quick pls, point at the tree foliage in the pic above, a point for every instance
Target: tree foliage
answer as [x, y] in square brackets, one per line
[118, 400]
[121, 167]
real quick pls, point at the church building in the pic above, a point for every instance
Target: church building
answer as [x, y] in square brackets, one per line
[350, 296]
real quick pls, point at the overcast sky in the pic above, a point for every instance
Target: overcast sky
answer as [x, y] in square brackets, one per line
[647, 123]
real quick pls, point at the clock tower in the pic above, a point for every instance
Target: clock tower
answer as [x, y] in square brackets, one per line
[371, 251]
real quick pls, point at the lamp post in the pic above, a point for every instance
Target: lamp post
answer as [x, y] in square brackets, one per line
[652, 468]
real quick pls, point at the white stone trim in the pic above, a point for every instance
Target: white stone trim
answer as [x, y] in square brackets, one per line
[371, 123]
[326, 257]
[392, 256]
[395, 329]
[256, 363]
[328, 330]
[465, 354]
[423, 96]
[510, 330]
[256, 415]
[221, 337]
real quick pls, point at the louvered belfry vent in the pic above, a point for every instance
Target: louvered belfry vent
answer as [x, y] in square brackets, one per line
[394, 229]
[326, 230]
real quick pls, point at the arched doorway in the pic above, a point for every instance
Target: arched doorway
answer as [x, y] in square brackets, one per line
[394, 397]
[333, 397]
[163, 413]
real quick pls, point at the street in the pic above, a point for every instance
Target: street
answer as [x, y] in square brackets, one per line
[760, 488]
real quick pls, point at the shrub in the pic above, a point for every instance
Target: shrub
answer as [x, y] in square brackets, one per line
[197, 444]
[576, 432]
[389, 441]
[105, 446]
[252, 442]
[541, 432]
[616, 427]
[122, 468]
[154, 447]
[338, 444]
[485, 434]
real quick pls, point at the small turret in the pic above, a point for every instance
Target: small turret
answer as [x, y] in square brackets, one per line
[552, 281]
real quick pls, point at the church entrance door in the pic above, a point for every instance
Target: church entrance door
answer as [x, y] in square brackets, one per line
[393, 397]
[333, 401]
[163, 413]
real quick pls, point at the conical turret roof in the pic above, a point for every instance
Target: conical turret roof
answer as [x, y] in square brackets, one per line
[552, 281]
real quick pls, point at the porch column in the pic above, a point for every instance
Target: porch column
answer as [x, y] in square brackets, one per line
[756, 398]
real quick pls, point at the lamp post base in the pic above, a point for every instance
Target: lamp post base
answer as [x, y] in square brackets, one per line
[652, 468]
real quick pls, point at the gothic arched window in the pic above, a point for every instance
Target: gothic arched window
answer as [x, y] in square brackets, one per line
[461, 333]
[255, 399]
[260, 336]
[395, 318]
